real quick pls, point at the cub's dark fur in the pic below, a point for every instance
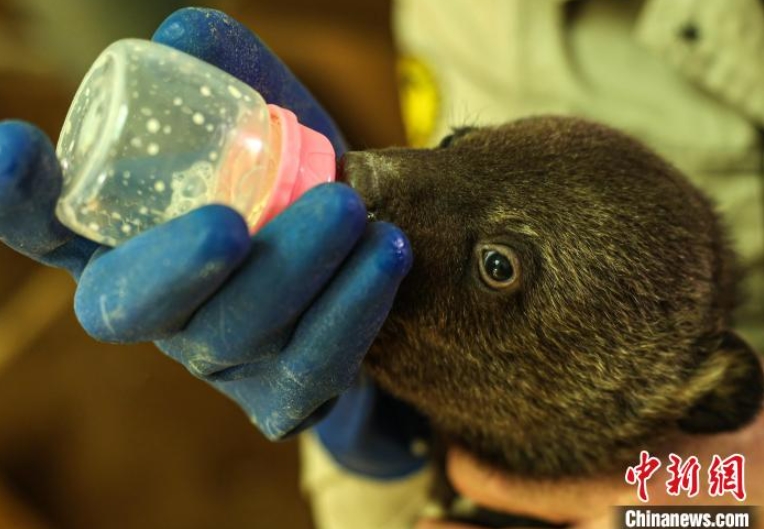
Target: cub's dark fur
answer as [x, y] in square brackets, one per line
[609, 330]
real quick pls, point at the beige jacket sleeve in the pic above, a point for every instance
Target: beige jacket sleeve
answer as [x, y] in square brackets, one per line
[343, 500]
[716, 45]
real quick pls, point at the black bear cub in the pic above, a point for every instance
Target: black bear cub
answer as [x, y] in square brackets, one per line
[570, 302]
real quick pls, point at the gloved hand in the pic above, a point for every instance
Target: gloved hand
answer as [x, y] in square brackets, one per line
[279, 322]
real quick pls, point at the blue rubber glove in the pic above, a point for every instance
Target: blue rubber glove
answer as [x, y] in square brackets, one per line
[279, 322]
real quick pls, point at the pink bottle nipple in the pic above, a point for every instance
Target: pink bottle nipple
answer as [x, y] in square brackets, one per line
[305, 157]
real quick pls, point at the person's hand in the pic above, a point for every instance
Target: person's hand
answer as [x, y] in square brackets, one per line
[588, 503]
[278, 322]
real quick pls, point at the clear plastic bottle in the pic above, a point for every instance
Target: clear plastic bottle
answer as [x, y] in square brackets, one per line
[153, 133]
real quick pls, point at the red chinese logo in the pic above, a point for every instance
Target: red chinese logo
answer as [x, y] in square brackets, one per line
[727, 475]
[684, 476]
[639, 474]
[724, 475]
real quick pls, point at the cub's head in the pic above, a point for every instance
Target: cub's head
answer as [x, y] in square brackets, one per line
[570, 298]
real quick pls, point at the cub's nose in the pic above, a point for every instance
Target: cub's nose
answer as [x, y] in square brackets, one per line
[358, 169]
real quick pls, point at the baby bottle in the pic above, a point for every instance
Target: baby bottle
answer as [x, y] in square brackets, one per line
[153, 133]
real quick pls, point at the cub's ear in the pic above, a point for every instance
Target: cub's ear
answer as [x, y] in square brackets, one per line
[727, 390]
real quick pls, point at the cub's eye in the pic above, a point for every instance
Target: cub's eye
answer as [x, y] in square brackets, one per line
[499, 266]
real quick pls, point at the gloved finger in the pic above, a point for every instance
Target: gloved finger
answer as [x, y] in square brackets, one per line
[218, 39]
[333, 336]
[30, 184]
[292, 259]
[325, 353]
[149, 286]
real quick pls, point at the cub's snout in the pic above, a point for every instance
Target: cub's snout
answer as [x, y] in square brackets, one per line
[570, 300]
[361, 170]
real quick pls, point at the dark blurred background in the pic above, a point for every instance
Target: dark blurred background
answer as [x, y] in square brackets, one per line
[118, 437]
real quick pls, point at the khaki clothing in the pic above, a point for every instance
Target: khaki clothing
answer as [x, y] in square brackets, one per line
[343, 500]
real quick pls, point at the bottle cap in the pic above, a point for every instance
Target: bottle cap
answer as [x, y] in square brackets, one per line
[304, 158]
